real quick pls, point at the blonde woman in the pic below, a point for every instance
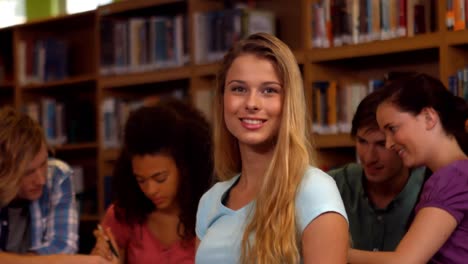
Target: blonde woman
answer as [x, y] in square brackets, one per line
[272, 205]
[37, 206]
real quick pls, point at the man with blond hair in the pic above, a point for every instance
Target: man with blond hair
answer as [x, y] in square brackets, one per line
[38, 213]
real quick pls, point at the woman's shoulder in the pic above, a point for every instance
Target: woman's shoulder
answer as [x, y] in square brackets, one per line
[315, 177]
[460, 167]
[316, 183]
[316, 195]
[452, 175]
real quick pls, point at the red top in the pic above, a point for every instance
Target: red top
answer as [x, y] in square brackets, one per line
[141, 246]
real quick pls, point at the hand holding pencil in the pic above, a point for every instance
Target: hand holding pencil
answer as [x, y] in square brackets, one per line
[105, 244]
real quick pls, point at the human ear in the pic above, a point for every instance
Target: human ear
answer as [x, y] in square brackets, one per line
[431, 118]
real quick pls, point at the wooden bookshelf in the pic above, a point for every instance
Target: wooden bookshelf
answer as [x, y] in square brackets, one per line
[211, 69]
[376, 48]
[205, 69]
[127, 6]
[7, 85]
[76, 147]
[300, 56]
[71, 81]
[59, 20]
[455, 37]
[333, 141]
[110, 155]
[132, 79]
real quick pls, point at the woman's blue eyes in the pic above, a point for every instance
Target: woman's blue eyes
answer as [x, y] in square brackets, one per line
[270, 90]
[267, 90]
[237, 89]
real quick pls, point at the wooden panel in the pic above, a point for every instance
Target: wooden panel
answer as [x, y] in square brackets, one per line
[332, 158]
[125, 6]
[453, 58]
[206, 69]
[7, 84]
[145, 77]
[72, 81]
[362, 69]
[58, 21]
[456, 37]
[110, 154]
[300, 56]
[333, 141]
[76, 147]
[289, 28]
[204, 5]
[419, 42]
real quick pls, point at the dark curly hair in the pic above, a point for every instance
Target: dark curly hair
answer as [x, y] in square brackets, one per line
[176, 129]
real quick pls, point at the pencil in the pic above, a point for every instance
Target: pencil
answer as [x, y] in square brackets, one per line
[112, 248]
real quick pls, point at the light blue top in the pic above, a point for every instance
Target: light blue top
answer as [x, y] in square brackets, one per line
[220, 229]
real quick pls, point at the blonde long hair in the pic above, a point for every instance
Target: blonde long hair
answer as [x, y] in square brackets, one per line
[21, 138]
[276, 239]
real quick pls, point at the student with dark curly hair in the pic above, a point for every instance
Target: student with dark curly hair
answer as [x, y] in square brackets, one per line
[164, 168]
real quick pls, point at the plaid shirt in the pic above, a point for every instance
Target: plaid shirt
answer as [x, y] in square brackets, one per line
[54, 216]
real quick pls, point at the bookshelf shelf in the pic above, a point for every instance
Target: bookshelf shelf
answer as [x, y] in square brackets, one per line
[53, 21]
[456, 37]
[6, 85]
[125, 6]
[333, 140]
[418, 42]
[205, 69]
[76, 146]
[72, 81]
[300, 56]
[211, 69]
[161, 75]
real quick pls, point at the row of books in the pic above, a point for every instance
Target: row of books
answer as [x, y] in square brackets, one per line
[344, 22]
[51, 115]
[143, 43]
[334, 104]
[115, 112]
[42, 60]
[458, 83]
[457, 14]
[216, 31]
[61, 126]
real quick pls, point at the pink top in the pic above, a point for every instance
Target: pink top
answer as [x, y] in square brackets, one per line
[141, 246]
